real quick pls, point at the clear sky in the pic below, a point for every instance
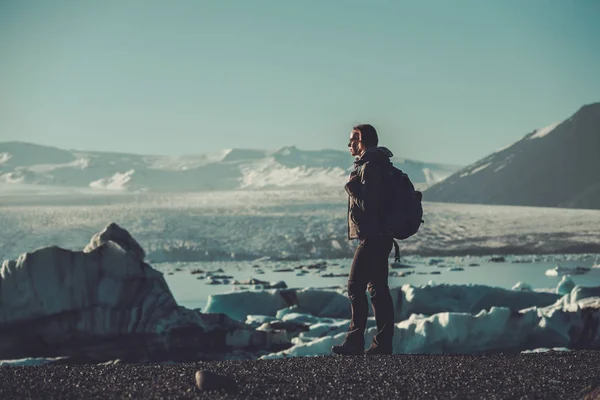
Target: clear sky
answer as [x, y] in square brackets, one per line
[443, 81]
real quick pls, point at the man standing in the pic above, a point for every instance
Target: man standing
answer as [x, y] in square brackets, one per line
[369, 268]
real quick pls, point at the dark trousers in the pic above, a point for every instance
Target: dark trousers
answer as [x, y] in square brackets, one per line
[370, 271]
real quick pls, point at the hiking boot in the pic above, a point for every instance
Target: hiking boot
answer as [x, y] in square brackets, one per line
[376, 349]
[348, 349]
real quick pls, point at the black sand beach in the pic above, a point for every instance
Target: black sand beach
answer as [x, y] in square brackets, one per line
[554, 375]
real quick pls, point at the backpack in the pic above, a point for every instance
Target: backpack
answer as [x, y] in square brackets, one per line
[403, 211]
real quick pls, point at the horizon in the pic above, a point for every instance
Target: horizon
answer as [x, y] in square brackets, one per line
[442, 83]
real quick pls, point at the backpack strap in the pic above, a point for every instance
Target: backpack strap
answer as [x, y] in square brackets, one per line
[397, 251]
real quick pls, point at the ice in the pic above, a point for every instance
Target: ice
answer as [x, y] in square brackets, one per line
[327, 327]
[544, 350]
[29, 362]
[557, 326]
[432, 299]
[291, 224]
[258, 320]
[583, 292]
[319, 347]
[565, 286]
[428, 299]
[561, 271]
[238, 305]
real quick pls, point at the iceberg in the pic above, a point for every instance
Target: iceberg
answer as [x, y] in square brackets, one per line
[429, 299]
[106, 303]
[564, 325]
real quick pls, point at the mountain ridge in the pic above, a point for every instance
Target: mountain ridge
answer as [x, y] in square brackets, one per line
[555, 166]
[228, 169]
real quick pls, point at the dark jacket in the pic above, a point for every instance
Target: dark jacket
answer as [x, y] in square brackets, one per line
[365, 193]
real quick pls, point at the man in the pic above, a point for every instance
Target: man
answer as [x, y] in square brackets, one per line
[369, 268]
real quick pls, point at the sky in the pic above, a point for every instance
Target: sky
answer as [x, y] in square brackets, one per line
[442, 81]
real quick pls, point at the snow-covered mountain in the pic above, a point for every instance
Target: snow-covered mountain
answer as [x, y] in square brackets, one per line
[288, 167]
[557, 166]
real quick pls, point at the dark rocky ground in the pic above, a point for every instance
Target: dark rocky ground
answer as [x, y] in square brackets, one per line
[554, 375]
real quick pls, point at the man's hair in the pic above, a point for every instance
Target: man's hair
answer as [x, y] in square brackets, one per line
[368, 134]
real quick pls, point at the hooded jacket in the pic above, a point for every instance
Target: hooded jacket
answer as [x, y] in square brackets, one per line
[365, 194]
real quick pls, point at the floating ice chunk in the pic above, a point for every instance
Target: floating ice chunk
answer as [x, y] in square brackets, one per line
[327, 328]
[29, 362]
[258, 320]
[545, 350]
[319, 347]
[432, 299]
[298, 317]
[427, 300]
[320, 303]
[565, 286]
[552, 272]
[522, 287]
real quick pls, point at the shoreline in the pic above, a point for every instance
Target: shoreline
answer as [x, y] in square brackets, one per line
[556, 375]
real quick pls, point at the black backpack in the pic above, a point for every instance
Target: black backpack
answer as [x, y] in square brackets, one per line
[403, 211]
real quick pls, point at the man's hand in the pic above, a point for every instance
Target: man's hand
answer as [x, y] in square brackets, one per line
[353, 176]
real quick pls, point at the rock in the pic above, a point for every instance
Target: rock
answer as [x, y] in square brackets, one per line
[397, 265]
[221, 276]
[473, 265]
[196, 271]
[278, 285]
[206, 380]
[283, 270]
[332, 275]
[263, 284]
[120, 236]
[454, 269]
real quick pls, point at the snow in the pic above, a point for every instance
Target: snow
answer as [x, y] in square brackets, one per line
[540, 133]
[475, 170]
[521, 286]
[116, 182]
[4, 157]
[230, 169]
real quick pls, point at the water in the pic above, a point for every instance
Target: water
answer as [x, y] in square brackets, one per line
[193, 293]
